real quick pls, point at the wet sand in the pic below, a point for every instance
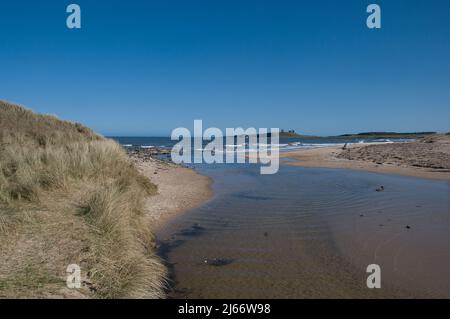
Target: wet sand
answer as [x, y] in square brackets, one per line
[424, 159]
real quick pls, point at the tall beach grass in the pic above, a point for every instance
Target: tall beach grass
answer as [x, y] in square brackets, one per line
[70, 196]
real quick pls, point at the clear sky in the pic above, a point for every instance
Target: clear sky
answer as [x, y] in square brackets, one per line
[146, 67]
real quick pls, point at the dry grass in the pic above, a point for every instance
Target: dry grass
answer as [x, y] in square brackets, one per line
[69, 196]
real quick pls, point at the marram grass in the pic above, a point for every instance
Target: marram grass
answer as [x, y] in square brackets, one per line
[70, 196]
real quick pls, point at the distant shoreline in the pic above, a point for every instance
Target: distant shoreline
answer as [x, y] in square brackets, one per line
[432, 158]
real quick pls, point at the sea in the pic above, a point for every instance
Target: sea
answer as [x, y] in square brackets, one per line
[285, 144]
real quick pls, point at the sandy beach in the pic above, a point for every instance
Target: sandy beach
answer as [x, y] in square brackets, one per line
[179, 189]
[428, 158]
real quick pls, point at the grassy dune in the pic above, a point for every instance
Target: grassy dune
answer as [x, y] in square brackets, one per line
[70, 196]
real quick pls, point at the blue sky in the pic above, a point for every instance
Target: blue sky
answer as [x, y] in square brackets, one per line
[146, 67]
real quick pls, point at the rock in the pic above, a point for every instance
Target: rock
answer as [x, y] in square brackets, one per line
[408, 227]
[380, 189]
[217, 262]
[194, 230]
[89, 285]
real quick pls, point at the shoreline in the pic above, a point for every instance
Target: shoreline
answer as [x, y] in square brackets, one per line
[180, 189]
[333, 157]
